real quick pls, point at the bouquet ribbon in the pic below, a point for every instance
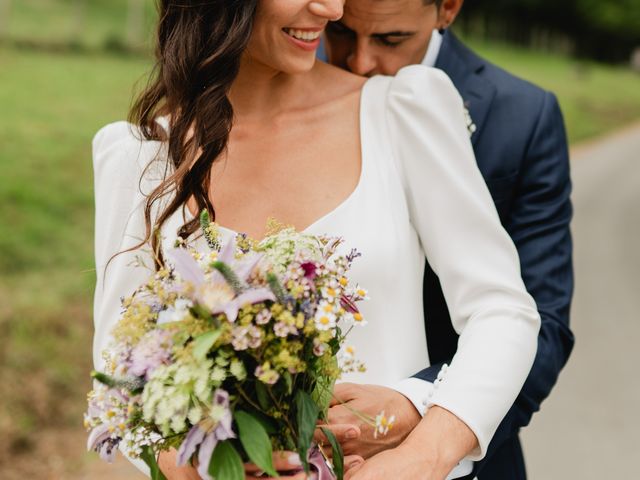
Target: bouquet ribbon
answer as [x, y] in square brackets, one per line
[317, 460]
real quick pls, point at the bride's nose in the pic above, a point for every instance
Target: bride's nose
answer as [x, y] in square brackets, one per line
[330, 9]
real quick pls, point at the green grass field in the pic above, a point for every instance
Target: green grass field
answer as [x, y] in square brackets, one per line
[52, 104]
[87, 23]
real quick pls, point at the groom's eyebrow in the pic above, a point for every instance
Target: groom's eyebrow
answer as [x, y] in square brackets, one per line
[338, 25]
[395, 33]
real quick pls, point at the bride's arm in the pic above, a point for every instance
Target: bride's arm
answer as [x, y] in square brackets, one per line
[119, 159]
[453, 214]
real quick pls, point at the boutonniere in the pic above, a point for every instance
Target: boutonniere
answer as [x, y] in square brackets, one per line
[471, 127]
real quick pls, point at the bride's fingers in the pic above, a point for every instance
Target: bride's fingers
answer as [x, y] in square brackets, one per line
[282, 462]
[342, 432]
[352, 461]
[297, 476]
[348, 474]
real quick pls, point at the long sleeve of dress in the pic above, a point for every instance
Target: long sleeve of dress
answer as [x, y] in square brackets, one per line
[452, 212]
[119, 159]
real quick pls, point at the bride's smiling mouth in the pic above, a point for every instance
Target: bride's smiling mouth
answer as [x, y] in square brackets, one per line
[307, 39]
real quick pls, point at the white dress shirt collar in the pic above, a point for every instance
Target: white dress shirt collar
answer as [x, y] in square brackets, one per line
[433, 50]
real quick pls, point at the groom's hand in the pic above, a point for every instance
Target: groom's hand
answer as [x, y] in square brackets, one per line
[354, 434]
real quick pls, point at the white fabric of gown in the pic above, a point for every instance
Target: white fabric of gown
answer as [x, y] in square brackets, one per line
[420, 194]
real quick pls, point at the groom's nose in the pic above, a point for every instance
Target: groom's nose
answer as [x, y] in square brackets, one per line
[330, 9]
[361, 59]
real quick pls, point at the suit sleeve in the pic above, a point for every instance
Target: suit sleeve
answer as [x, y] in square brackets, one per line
[539, 227]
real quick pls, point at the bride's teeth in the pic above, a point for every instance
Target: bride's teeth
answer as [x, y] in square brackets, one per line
[303, 35]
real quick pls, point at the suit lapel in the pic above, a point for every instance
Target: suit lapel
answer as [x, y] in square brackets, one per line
[464, 68]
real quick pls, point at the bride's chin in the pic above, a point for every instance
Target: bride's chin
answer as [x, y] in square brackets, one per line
[285, 65]
[296, 65]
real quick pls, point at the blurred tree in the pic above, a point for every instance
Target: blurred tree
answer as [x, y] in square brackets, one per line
[605, 30]
[5, 11]
[79, 19]
[135, 21]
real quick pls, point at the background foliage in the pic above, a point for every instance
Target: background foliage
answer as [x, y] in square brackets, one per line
[596, 29]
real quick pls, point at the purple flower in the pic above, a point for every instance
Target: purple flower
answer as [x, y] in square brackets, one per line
[257, 295]
[153, 350]
[189, 270]
[186, 266]
[318, 465]
[207, 433]
[101, 441]
[348, 304]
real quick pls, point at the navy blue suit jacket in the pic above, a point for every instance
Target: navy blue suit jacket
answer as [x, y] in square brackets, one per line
[521, 149]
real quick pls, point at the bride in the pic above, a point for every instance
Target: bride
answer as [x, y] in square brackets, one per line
[239, 118]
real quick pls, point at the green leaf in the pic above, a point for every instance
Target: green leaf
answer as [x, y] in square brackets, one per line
[132, 384]
[230, 276]
[203, 343]
[226, 463]
[104, 379]
[205, 220]
[322, 393]
[338, 456]
[150, 459]
[200, 311]
[307, 416]
[263, 396]
[276, 287]
[288, 380]
[255, 441]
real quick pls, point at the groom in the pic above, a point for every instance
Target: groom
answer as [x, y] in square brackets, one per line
[521, 149]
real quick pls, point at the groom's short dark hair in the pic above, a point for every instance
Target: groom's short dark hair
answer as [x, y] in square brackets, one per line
[429, 2]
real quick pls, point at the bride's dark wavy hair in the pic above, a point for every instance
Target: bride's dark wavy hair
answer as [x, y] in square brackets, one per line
[198, 49]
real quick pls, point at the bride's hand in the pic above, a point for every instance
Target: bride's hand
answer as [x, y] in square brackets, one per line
[167, 464]
[282, 462]
[290, 462]
[355, 436]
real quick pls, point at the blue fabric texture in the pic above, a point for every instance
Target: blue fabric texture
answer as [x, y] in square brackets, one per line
[521, 149]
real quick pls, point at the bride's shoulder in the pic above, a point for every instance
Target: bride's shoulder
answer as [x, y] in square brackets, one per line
[122, 134]
[121, 148]
[420, 87]
[336, 81]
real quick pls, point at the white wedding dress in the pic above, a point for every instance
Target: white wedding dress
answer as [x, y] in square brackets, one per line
[420, 195]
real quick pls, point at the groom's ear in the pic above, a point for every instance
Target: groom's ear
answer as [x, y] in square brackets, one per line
[447, 12]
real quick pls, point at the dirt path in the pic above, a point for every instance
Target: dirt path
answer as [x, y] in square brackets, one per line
[589, 427]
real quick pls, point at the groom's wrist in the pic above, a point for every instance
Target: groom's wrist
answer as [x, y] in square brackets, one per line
[443, 440]
[430, 463]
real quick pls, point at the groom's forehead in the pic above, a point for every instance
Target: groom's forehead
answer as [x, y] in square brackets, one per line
[380, 13]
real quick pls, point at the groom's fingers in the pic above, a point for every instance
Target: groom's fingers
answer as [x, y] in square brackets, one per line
[342, 393]
[343, 433]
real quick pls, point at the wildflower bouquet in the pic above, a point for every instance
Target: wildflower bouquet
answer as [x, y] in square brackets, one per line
[229, 355]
